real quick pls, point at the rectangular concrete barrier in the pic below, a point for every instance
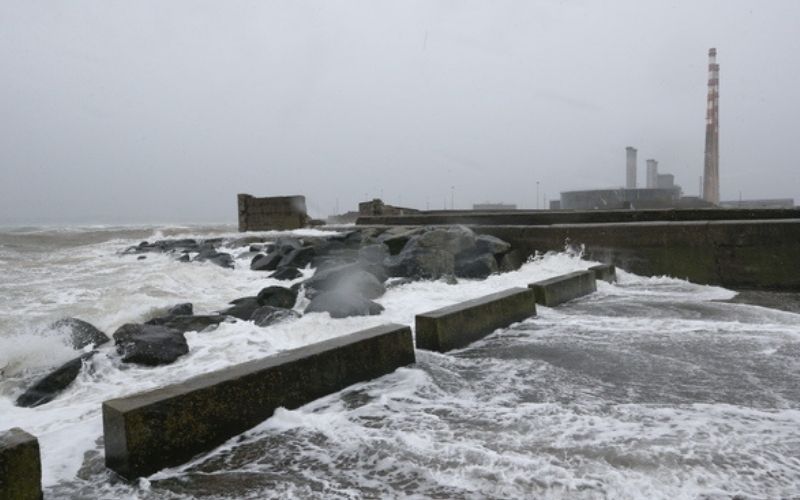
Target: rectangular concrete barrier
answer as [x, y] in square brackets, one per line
[604, 272]
[554, 291]
[460, 324]
[20, 466]
[166, 427]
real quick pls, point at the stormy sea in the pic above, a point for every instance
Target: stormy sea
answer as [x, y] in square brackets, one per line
[652, 387]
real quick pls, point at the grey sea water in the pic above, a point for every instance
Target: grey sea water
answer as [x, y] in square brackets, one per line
[652, 387]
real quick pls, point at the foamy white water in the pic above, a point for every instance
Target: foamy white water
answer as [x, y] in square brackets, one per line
[647, 388]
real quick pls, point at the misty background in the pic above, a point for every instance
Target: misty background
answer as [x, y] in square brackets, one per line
[145, 111]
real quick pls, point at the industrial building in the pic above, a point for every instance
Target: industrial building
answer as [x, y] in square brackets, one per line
[660, 191]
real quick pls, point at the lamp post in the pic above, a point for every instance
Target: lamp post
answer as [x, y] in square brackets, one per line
[537, 195]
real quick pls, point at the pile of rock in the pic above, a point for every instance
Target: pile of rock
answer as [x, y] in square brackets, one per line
[351, 270]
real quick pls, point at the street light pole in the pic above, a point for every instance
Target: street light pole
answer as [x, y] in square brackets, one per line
[537, 195]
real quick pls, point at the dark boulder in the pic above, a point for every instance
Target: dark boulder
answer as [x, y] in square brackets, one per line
[209, 253]
[242, 308]
[343, 305]
[267, 262]
[420, 263]
[452, 240]
[141, 257]
[485, 243]
[223, 260]
[268, 315]
[351, 275]
[162, 246]
[335, 258]
[480, 266]
[184, 258]
[298, 257]
[373, 253]
[80, 332]
[362, 283]
[51, 385]
[247, 255]
[190, 323]
[286, 273]
[277, 296]
[285, 244]
[511, 261]
[149, 345]
[396, 239]
[183, 309]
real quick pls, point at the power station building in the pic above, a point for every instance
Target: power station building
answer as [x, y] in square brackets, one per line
[660, 191]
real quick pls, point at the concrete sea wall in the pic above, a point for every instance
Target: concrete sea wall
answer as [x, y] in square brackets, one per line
[165, 427]
[460, 324]
[554, 291]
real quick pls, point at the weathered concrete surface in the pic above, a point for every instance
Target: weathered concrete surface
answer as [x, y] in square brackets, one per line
[559, 289]
[275, 212]
[166, 427]
[460, 324]
[759, 254]
[20, 466]
[604, 272]
[547, 217]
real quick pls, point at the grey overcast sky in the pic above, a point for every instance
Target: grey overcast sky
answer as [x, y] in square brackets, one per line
[150, 111]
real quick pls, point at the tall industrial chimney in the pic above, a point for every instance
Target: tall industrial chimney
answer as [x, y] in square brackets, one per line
[652, 174]
[630, 179]
[711, 170]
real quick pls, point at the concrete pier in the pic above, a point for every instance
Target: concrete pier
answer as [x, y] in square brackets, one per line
[166, 427]
[460, 324]
[735, 254]
[20, 466]
[559, 289]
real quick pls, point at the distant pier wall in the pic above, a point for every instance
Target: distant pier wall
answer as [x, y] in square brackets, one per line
[146, 432]
[735, 248]
[271, 213]
[757, 254]
[548, 217]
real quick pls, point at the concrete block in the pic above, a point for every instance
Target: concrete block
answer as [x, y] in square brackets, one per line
[20, 466]
[554, 291]
[166, 427]
[460, 324]
[604, 272]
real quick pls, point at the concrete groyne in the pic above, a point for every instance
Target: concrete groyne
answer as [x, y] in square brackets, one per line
[20, 466]
[559, 289]
[460, 324]
[166, 427]
[604, 272]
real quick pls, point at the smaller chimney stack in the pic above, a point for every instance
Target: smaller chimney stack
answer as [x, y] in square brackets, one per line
[652, 174]
[630, 165]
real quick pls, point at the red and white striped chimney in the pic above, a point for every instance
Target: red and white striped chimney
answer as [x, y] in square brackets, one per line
[711, 168]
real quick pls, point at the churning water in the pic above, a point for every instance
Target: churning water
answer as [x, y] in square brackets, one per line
[650, 387]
